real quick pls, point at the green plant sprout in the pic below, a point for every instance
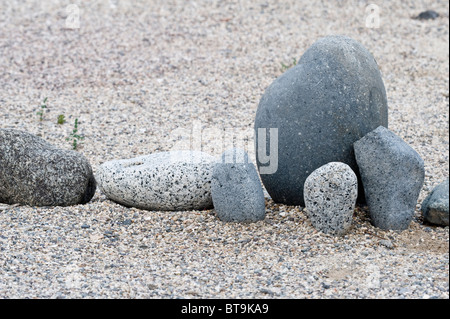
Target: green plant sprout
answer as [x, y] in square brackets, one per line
[75, 137]
[284, 67]
[41, 111]
[61, 119]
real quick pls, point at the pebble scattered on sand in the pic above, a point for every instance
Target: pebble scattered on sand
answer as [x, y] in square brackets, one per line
[137, 76]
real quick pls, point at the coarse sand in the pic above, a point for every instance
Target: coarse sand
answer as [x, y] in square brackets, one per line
[141, 76]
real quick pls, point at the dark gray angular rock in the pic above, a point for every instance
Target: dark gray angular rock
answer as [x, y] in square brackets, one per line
[330, 197]
[236, 189]
[329, 100]
[392, 174]
[34, 172]
[435, 208]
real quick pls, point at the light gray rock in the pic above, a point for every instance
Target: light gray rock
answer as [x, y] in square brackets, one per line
[36, 173]
[166, 181]
[236, 189]
[330, 197]
[387, 243]
[329, 100]
[435, 206]
[392, 175]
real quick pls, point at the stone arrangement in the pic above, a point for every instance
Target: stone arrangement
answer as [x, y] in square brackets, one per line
[236, 190]
[165, 181]
[334, 148]
[435, 206]
[35, 173]
[330, 197]
[392, 175]
[329, 100]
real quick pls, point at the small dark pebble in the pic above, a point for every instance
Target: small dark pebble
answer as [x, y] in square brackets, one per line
[110, 266]
[266, 291]
[85, 226]
[427, 15]
[109, 234]
[325, 285]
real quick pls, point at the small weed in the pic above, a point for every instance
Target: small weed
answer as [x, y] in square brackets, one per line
[61, 119]
[75, 137]
[284, 67]
[41, 111]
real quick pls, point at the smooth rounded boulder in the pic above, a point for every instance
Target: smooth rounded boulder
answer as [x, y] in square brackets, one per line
[165, 181]
[318, 109]
[36, 173]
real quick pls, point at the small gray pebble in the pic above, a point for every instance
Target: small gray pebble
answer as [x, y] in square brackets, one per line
[127, 222]
[386, 243]
[325, 285]
[427, 15]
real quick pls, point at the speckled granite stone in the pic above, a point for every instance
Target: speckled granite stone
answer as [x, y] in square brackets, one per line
[236, 189]
[330, 197]
[166, 181]
[36, 173]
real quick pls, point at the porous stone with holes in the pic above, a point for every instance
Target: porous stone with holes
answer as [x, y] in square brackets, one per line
[330, 197]
[165, 181]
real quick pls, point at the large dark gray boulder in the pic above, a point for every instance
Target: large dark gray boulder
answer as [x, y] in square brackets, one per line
[330, 99]
[330, 198]
[34, 172]
[392, 175]
[435, 206]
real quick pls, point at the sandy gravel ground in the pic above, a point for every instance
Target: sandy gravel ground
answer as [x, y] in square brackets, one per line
[133, 73]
